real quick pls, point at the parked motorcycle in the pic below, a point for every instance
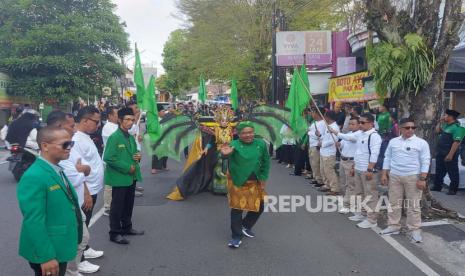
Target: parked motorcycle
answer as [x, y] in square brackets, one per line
[20, 160]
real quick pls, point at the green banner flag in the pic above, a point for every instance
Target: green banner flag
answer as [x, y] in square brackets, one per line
[150, 104]
[139, 81]
[234, 99]
[202, 90]
[298, 100]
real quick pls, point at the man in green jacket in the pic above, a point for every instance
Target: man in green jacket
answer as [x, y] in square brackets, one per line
[122, 171]
[52, 222]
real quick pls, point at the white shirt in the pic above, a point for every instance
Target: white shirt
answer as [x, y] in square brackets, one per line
[77, 178]
[348, 147]
[31, 141]
[407, 156]
[86, 148]
[134, 131]
[362, 155]
[328, 146]
[288, 135]
[345, 126]
[312, 138]
[108, 129]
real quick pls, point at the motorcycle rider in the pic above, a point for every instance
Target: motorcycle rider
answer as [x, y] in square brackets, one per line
[23, 130]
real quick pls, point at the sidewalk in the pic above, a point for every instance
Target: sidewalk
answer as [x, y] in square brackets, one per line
[454, 202]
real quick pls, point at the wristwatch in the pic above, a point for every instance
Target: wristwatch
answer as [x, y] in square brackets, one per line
[422, 178]
[370, 170]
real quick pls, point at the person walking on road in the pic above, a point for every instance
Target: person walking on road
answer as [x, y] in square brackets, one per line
[249, 169]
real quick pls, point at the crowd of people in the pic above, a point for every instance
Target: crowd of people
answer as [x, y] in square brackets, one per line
[373, 151]
[57, 194]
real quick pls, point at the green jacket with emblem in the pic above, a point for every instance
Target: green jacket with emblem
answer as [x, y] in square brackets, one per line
[118, 157]
[52, 223]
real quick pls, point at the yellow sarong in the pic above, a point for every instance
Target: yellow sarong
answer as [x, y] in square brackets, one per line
[248, 197]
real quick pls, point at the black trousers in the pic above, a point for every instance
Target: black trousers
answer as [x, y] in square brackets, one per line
[122, 203]
[287, 154]
[443, 168]
[237, 222]
[159, 163]
[38, 270]
[301, 160]
[89, 212]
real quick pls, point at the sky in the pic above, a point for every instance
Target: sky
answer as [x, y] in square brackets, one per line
[149, 23]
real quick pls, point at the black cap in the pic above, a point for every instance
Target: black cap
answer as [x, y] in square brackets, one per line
[124, 112]
[452, 113]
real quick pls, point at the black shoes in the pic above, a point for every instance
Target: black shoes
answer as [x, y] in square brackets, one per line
[451, 193]
[119, 239]
[134, 232]
[436, 189]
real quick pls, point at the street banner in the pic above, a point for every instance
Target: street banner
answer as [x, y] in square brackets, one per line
[350, 88]
[291, 47]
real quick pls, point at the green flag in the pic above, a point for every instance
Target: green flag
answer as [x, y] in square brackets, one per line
[234, 99]
[150, 105]
[139, 81]
[298, 100]
[202, 90]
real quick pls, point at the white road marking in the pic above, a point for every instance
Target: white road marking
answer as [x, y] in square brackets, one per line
[96, 217]
[435, 223]
[407, 254]
[4, 162]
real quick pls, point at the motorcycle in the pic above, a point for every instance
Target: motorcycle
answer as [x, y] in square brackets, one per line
[20, 160]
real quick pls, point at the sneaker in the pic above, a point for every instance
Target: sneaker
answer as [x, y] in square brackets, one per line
[106, 213]
[92, 254]
[288, 166]
[344, 210]
[390, 230]
[138, 194]
[234, 243]
[366, 224]
[87, 268]
[139, 188]
[357, 217]
[248, 232]
[415, 235]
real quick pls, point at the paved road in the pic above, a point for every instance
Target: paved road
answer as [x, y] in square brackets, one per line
[189, 237]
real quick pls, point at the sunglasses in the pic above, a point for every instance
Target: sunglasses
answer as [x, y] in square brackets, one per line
[362, 122]
[66, 145]
[97, 122]
[410, 127]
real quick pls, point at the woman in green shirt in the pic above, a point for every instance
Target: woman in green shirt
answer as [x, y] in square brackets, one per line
[249, 169]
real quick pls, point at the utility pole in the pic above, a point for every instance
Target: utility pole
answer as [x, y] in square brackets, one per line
[274, 87]
[281, 81]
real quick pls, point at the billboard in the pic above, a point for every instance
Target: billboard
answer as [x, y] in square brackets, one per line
[292, 47]
[350, 88]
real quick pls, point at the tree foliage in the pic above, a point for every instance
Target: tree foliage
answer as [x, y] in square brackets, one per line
[60, 49]
[437, 23]
[407, 67]
[226, 39]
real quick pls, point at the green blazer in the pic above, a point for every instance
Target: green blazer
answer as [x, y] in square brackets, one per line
[118, 154]
[52, 223]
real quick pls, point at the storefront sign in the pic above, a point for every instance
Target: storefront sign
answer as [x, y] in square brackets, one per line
[350, 88]
[292, 47]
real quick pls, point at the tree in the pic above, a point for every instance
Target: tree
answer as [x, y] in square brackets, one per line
[232, 39]
[178, 69]
[60, 49]
[437, 25]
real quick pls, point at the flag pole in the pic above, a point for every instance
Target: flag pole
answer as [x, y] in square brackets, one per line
[310, 94]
